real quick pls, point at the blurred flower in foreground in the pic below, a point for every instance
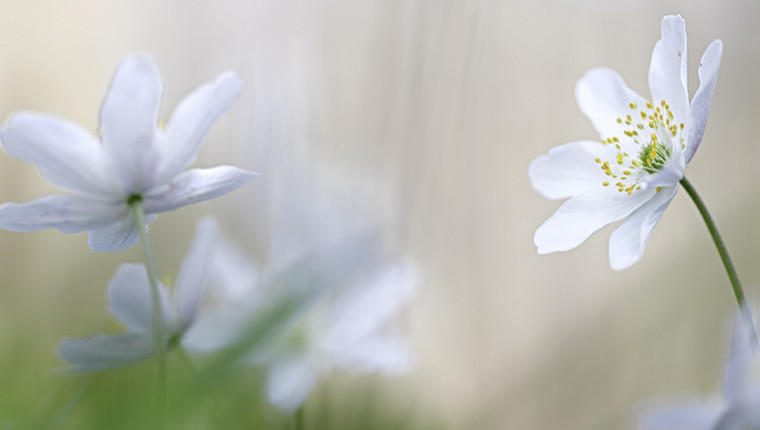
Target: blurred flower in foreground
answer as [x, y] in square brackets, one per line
[347, 292]
[740, 407]
[137, 161]
[130, 303]
[645, 147]
[348, 329]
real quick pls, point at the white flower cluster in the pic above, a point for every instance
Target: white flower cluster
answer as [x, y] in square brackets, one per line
[345, 293]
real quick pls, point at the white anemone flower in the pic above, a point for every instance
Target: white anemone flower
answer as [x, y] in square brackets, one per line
[130, 302]
[342, 321]
[349, 330]
[135, 159]
[645, 145]
[738, 408]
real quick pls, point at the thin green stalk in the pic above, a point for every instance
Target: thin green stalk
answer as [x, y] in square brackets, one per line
[158, 326]
[727, 263]
[300, 418]
[193, 370]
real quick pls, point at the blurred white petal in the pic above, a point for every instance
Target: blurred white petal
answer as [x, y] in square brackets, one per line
[104, 351]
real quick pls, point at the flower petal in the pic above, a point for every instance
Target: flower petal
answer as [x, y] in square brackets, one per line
[667, 71]
[130, 299]
[628, 241]
[581, 216]
[290, 382]
[366, 307]
[116, 236]
[65, 154]
[190, 121]
[235, 277]
[569, 169]
[739, 359]
[65, 212]
[217, 328]
[374, 353]
[693, 415]
[104, 351]
[700, 104]
[195, 186]
[196, 268]
[603, 97]
[128, 121]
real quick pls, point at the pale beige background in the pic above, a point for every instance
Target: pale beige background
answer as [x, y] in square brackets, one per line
[441, 105]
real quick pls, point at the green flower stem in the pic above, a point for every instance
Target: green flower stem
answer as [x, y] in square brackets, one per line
[158, 326]
[727, 263]
[220, 413]
[300, 418]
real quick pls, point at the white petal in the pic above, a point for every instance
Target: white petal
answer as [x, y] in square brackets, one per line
[667, 71]
[65, 154]
[67, 213]
[217, 328]
[739, 359]
[583, 215]
[369, 305]
[195, 186]
[700, 104]
[738, 418]
[235, 276]
[628, 241]
[116, 236]
[687, 416]
[130, 299]
[376, 353]
[569, 169]
[103, 351]
[603, 97]
[190, 121]
[128, 121]
[289, 383]
[194, 273]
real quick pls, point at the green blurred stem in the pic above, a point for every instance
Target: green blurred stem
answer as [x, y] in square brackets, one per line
[300, 418]
[727, 263]
[197, 376]
[158, 327]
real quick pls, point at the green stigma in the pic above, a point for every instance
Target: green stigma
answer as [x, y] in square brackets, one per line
[654, 157]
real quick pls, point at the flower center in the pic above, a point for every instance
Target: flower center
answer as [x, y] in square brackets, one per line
[645, 147]
[134, 199]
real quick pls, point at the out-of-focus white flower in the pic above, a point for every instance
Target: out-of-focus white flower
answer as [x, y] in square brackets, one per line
[349, 329]
[136, 160]
[739, 409]
[634, 171]
[346, 295]
[130, 302]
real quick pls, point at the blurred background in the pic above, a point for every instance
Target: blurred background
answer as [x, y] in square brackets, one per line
[425, 115]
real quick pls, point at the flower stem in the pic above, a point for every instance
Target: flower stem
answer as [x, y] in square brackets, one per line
[201, 379]
[158, 326]
[727, 263]
[300, 418]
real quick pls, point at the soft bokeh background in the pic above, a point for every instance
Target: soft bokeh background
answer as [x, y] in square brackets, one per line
[426, 114]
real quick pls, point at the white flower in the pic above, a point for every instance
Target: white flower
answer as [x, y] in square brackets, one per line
[346, 299]
[136, 159]
[130, 302]
[635, 170]
[739, 409]
[349, 330]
